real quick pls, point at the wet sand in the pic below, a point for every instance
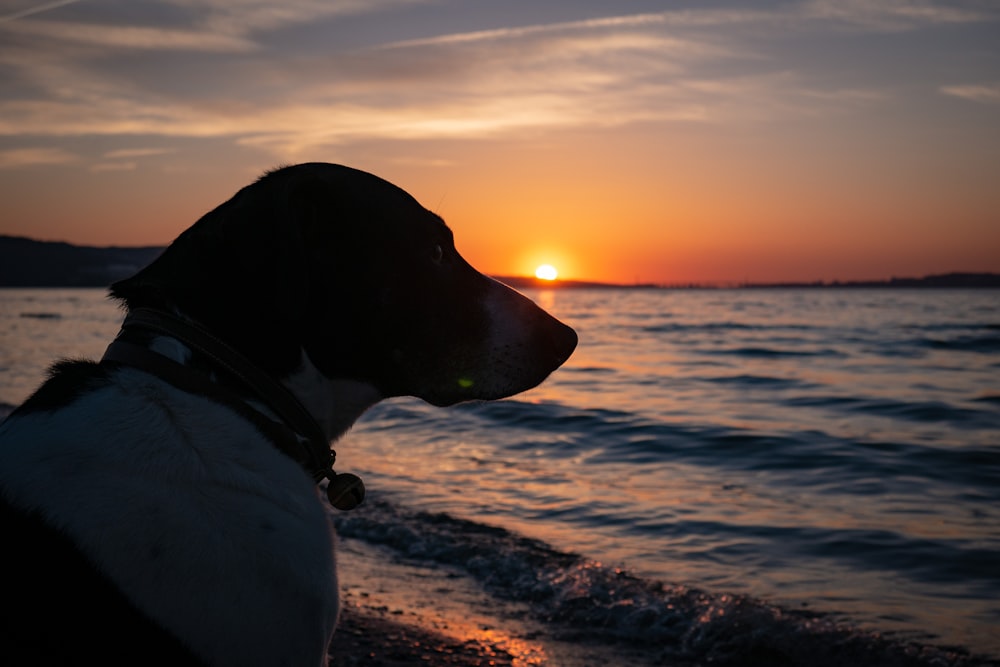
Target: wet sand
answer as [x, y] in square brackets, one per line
[368, 636]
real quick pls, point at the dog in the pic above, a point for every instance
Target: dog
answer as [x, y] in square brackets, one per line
[161, 507]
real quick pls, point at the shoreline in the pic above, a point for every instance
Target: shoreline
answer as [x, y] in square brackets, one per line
[395, 613]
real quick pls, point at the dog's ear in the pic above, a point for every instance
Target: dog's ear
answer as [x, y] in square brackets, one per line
[241, 271]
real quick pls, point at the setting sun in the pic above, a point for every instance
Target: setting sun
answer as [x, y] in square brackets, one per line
[546, 272]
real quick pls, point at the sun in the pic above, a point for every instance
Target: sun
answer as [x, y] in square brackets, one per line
[546, 272]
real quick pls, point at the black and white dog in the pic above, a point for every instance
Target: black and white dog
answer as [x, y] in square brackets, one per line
[160, 507]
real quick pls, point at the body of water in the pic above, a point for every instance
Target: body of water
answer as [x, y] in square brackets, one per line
[710, 468]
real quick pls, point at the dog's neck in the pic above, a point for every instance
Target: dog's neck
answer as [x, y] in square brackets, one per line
[334, 403]
[313, 409]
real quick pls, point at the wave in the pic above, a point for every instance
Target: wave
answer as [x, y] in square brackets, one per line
[589, 600]
[716, 327]
[918, 411]
[952, 337]
[750, 381]
[760, 352]
[617, 436]
[966, 343]
[993, 399]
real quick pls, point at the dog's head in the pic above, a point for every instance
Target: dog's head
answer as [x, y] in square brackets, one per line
[353, 271]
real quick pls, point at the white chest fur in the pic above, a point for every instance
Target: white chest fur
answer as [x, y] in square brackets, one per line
[202, 523]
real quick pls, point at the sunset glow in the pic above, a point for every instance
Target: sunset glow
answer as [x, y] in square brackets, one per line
[749, 142]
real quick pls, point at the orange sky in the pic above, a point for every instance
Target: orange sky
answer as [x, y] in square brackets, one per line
[756, 141]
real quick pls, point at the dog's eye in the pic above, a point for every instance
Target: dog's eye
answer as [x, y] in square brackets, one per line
[437, 254]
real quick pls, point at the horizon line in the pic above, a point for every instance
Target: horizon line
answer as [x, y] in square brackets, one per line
[955, 278]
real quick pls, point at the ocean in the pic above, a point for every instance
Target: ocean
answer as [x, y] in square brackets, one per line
[769, 472]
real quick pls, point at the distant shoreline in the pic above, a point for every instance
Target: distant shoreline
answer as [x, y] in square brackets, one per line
[26, 262]
[941, 281]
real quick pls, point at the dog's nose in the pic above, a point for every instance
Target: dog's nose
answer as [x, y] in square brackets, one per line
[555, 341]
[564, 341]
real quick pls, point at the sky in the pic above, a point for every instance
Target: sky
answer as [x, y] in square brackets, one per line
[625, 141]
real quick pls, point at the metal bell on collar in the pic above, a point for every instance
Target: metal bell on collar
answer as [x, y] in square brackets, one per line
[345, 490]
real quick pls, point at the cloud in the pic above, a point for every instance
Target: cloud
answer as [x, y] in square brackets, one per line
[112, 166]
[220, 26]
[109, 37]
[597, 73]
[125, 153]
[244, 17]
[891, 15]
[125, 159]
[875, 15]
[16, 158]
[705, 65]
[982, 93]
[498, 34]
[36, 9]
[421, 161]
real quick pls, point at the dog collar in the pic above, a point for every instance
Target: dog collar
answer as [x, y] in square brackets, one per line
[298, 435]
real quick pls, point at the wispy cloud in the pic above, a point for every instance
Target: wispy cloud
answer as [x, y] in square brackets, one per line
[110, 37]
[126, 159]
[982, 93]
[128, 153]
[36, 9]
[28, 157]
[876, 15]
[892, 15]
[214, 25]
[613, 22]
[112, 166]
[244, 17]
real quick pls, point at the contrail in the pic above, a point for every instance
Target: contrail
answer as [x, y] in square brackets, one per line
[35, 10]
